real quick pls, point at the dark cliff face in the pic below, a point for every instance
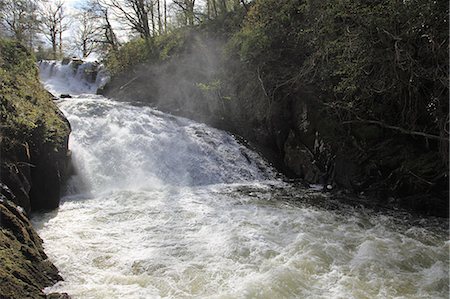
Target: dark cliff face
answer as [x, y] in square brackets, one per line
[34, 172]
[290, 128]
[33, 166]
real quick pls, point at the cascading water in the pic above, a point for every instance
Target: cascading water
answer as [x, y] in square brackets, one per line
[163, 207]
[74, 77]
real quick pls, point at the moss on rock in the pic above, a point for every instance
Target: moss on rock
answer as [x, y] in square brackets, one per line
[25, 269]
[34, 138]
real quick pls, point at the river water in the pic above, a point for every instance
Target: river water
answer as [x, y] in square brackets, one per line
[164, 207]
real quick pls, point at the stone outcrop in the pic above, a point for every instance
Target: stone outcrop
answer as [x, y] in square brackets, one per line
[25, 269]
[34, 164]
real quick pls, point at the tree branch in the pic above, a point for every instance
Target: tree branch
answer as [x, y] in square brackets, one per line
[395, 128]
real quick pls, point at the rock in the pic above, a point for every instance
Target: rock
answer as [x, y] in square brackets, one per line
[66, 60]
[58, 296]
[34, 163]
[300, 160]
[16, 176]
[25, 269]
[65, 96]
[76, 62]
[52, 96]
[51, 166]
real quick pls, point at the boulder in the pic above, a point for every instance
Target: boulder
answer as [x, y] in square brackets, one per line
[25, 269]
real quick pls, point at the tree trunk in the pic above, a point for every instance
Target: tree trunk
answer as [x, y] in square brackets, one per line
[158, 5]
[214, 8]
[223, 6]
[152, 15]
[190, 11]
[60, 32]
[165, 16]
[54, 45]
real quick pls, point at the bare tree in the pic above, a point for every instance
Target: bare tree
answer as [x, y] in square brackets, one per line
[135, 14]
[88, 31]
[187, 6]
[53, 24]
[107, 39]
[165, 16]
[158, 5]
[18, 19]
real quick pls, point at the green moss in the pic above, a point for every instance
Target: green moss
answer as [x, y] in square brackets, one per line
[27, 109]
[25, 270]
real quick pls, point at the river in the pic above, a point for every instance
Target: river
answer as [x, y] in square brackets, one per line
[164, 207]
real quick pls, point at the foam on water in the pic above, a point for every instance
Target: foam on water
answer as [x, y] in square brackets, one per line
[163, 207]
[72, 78]
[117, 146]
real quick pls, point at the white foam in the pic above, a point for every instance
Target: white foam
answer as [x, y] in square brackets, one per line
[163, 207]
[71, 79]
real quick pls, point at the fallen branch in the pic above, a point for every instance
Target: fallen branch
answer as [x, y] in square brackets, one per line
[401, 130]
[420, 179]
[128, 83]
[262, 83]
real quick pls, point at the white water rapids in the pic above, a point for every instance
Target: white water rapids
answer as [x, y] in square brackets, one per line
[163, 207]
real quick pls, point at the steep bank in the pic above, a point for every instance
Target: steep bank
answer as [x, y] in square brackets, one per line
[34, 165]
[328, 104]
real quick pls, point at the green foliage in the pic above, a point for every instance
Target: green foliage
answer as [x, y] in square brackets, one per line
[27, 109]
[170, 44]
[140, 50]
[382, 63]
[373, 60]
[212, 86]
[132, 53]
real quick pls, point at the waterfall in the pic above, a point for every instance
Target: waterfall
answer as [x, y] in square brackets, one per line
[73, 77]
[164, 207]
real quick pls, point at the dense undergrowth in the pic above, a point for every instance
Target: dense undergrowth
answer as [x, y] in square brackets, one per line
[374, 72]
[378, 69]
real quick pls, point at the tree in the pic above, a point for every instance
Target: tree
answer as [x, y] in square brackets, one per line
[158, 5]
[19, 20]
[53, 24]
[187, 7]
[107, 39]
[135, 14]
[88, 31]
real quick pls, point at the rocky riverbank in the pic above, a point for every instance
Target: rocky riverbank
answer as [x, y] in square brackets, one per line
[34, 164]
[289, 124]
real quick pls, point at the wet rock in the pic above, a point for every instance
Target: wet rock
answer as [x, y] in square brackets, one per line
[65, 96]
[25, 269]
[15, 168]
[51, 167]
[52, 96]
[301, 160]
[66, 60]
[58, 296]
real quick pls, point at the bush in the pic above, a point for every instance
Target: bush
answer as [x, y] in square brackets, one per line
[132, 53]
